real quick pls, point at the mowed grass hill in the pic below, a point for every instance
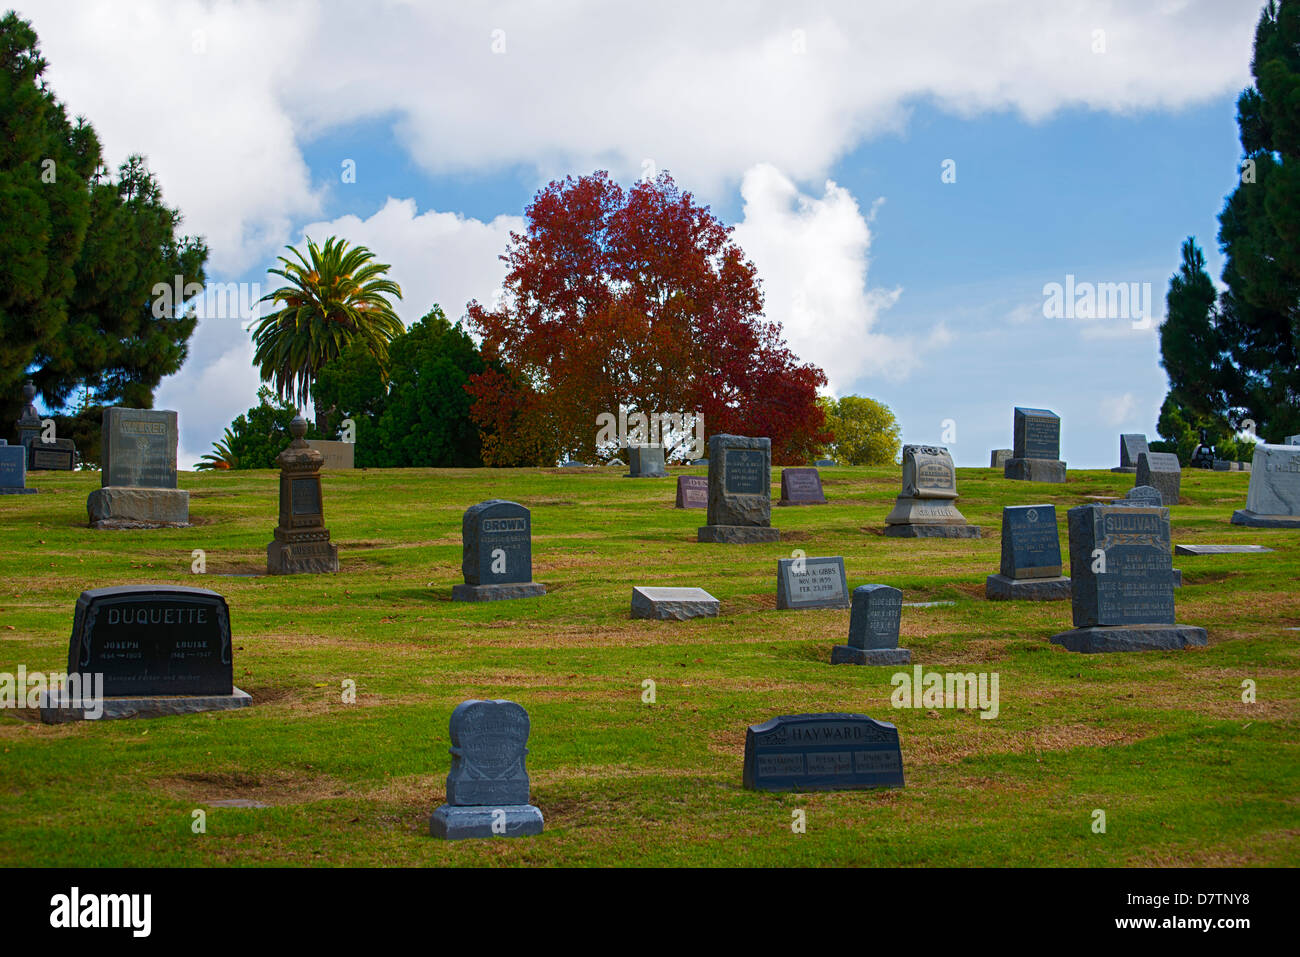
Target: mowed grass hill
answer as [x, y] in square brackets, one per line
[1162, 742]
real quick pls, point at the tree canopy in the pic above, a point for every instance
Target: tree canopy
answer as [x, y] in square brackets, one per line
[636, 298]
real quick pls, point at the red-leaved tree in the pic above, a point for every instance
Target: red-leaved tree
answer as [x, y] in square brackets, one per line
[640, 299]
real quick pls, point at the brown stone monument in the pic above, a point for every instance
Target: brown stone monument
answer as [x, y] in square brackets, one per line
[302, 542]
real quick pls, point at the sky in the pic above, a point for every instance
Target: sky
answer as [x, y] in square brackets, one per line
[910, 186]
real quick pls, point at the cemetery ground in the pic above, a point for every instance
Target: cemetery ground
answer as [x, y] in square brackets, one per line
[1162, 742]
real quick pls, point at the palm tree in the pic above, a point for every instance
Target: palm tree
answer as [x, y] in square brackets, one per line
[336, 296]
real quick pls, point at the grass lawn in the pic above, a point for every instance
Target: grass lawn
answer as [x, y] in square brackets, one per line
[1186, 773]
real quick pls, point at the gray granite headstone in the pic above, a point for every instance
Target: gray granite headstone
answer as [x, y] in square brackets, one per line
[801, 487]
[1036, 452]
[874, 620]
[673, 604]
[811, 583]
[822, 752]
[998, 458]
[487, 788]
[1121, 563]
[497, 553]
[925, 507]
[1031, 557]
[13, 471]
[692, 491]
[1131, 445]
[139, 474]
[1161, 471]
[1145, 495]
[1273, 500]
[647, 461]
[1220, 549]
[740, 491]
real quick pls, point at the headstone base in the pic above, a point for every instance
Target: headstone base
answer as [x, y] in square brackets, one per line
[144, 706]
[658, 473]
[1002, 588]
[1221, 465]
[503, 592]
[281, 560]
[789, 503]
[1125, 469]
[18, 491]
[1244, 516]
[932, 531]
[924, 511]
[1106, 638]
[1034, 470]
[849, 655]
[124, 506]
[738, 534]
[674, 604]
[452, 823]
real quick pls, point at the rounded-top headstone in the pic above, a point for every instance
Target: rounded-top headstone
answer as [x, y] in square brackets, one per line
[489, 743]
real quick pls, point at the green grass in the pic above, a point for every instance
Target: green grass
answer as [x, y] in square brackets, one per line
[1186, 773]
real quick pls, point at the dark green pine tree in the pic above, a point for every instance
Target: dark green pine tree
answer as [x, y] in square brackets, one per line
[1240, 361]
[46, 164]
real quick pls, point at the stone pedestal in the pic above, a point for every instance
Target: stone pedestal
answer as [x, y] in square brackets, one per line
[1001, 588]
[302, 542]
[125, 507]
[1034, 470]
[503, 592]
[1098, 639]
[737, 534]
[55, 711]
[510, 820]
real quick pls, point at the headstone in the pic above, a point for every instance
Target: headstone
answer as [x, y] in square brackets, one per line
[335, 455]
[1031, 557]
[302, 542]
[1293, 440]
[924, 508]
[1131, 445]
[647, 461]
[825, 463]
[161, 649]
[998, 458]
[1123, 582]
[497, 553]
[801, 487]
[873, 629]
[139, 472]
[811, 583]
[1220, 549]
[1143, 495]
[673, 604]
[822, 752]
[692, 491]
[54, 455]
[1273, 500]
[487, 788]
[1036, 455]
[1161, 471]
[13, 471]
[740, 491]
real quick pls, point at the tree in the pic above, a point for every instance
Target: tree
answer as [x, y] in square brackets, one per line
[638, 299]
[1241, 359]
[121, 338]
[80, 254]
[337, 297]
[865, 431]
[419, 415]
[257, 436]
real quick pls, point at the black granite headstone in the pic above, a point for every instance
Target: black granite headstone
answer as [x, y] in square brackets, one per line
[153, 640]
[822, 752]
[1036, 434]
[497, 538]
